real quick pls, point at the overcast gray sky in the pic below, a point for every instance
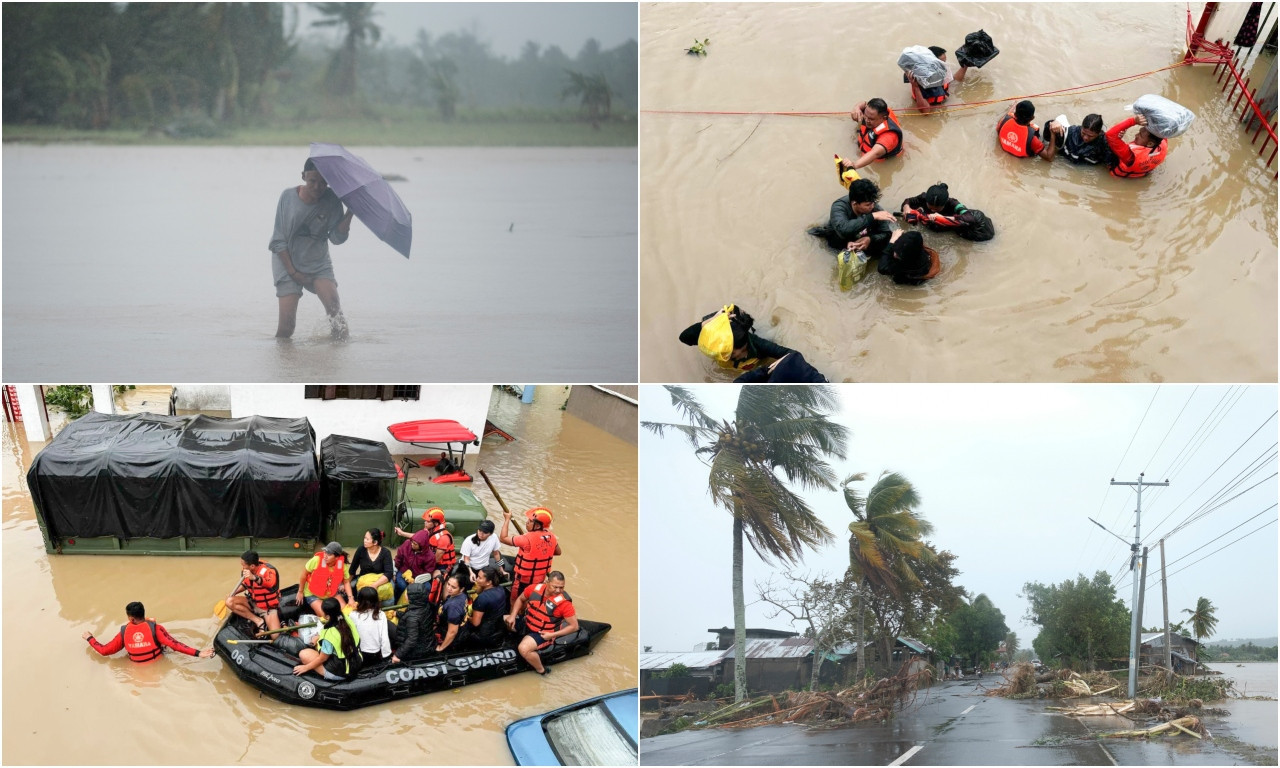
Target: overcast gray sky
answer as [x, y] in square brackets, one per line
[505, 26]
[1009, 475]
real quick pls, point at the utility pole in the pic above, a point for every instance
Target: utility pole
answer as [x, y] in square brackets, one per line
[1142, 601]
[1164, 591]
[1133, 565]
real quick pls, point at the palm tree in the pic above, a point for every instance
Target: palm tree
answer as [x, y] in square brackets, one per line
[884, 541]
[357, 18]
[1203, 621]
[779, 435]
[594, 91]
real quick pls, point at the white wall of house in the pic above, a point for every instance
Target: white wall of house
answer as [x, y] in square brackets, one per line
[467, 404]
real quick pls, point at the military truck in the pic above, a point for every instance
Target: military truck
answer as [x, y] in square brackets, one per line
[153, 484]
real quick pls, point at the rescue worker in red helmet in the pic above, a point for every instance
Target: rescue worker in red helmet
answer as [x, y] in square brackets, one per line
[260, 583]
[542, 613]
[143, 638]
[1141, 156]
[537, 547]
[1017, 135]
[879, 133]
[440, 541]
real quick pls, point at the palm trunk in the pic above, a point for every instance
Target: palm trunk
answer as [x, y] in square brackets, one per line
[862, 625]
[739, 618]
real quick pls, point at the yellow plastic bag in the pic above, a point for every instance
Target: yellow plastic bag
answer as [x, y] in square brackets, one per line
[385, 592]
[716, 338]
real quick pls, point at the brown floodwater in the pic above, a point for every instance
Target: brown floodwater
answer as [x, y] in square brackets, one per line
[1089, 278]
[64, 704]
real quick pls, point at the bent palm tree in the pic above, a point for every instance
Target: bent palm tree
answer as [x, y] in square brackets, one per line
[1203, 621]
[884, 541]
[779, 435]
[357, 19]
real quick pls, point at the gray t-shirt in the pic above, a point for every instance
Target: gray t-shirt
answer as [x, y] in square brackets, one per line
[305, 231]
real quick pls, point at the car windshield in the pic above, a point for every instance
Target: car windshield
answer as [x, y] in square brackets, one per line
[590, 736]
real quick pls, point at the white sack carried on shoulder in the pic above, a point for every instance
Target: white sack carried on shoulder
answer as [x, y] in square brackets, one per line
[1166, 119]
[927, 69]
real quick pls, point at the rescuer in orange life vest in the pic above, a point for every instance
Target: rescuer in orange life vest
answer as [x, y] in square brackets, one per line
[261, 584]
[879, 133]
[1136, 159]
[537, 547]
[548, 614]
[143, 638]
[1017, 135]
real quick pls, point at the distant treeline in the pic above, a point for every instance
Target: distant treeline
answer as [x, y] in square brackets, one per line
[152, 65]
[1246, 652]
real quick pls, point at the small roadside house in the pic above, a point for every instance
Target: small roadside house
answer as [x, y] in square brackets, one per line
[1182, 651]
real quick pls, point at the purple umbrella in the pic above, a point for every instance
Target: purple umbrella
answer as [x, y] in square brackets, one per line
[366, 193]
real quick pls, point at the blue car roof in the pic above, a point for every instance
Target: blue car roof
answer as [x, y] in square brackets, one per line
[527, 739]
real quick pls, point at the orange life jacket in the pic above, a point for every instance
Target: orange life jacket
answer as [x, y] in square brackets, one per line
[532, 564]
[443, 540]
[1015, 139]
[540, 617]
[140, 641]
[867, 138]
[936, 95]
[323, 581]
[265, 594]
[1145, 160]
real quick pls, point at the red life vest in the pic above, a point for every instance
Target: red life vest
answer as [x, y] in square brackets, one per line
[265, 594]
[323, 581]
[540, 616]
[1145, 160]
[532, 564]
[1015, 139]
[867, 138]
[934, 96]
[443, 540]
[140, 641]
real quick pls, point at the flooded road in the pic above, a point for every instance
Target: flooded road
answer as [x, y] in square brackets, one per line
[151, 263]
[1089, 278]
[79, 708]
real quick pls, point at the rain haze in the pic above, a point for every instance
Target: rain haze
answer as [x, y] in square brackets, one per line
[1009, 476]
[506, 27]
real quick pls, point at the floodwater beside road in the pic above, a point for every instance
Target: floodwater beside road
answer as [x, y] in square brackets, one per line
[64, 704]
[523, 268]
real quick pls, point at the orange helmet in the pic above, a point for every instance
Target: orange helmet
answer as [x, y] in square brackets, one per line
[541, 514]
[435, 513]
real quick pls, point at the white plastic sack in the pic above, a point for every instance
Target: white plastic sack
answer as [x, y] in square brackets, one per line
[927, 69]
[1166, 119]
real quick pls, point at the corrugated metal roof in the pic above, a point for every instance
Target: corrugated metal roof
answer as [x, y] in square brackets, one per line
[1156, 639]
[691, 659]
[789, 648]
[914, 644]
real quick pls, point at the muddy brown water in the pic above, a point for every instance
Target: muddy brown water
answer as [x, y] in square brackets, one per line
[1089, 278]
[64, 704]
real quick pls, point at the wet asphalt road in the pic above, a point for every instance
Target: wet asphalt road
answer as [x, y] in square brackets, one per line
[950, 724]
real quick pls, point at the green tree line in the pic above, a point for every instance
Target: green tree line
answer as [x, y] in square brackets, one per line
[147, 65]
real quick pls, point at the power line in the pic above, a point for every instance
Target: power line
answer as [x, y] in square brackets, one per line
[1253, 467]
[1219, 536]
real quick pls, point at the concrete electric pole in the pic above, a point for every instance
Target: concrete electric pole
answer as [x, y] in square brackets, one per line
[1134, 627]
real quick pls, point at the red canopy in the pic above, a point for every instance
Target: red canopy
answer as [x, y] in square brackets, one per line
[431, 431]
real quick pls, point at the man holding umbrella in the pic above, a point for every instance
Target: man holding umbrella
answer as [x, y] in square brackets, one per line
[308, 218]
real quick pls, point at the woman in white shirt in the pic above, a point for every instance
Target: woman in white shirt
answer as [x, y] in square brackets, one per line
[371, 622]
[481, 548]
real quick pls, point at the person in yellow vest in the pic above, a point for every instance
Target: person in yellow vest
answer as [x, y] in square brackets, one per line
[326, 574]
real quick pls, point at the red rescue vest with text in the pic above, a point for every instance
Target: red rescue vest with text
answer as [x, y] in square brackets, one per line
[1015, 139]
[1145, 160]
[140, 641]
[533, 564]
[265, 594]
[324, 582]
[540, 616]
[867, 138]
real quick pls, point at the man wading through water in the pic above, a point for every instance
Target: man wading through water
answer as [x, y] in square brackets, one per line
[308, 218]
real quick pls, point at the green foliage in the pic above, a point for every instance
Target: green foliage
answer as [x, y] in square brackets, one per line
[675, 670]
[1246, 652]
[1203, 619]
[1081, 619]
[979, 629]
[722, 691]
[594, 92]
[75, 399]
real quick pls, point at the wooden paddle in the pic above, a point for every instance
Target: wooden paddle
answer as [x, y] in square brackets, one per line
[498, 496]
